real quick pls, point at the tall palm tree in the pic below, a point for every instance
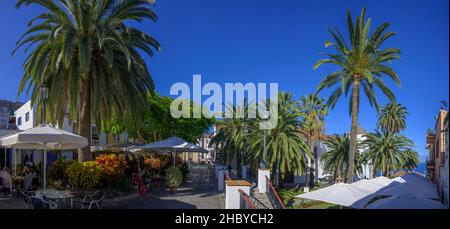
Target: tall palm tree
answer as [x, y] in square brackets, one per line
[232, 135]
[90, 59]
[287, 152]
[410, 159]
[389, 151]
[335, 159]
[362, 63]
[313, 110]
[392, 117]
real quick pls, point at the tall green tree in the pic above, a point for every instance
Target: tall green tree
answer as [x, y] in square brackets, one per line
[232, 135]
[313, 110]
[287, 152]
[389, 151]
[91, 60]
[158, 123]
[335, 159]
[362, 63]
[392, 117]
[410, 160]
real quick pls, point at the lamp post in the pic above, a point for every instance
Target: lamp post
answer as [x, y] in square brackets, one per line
[44, 98]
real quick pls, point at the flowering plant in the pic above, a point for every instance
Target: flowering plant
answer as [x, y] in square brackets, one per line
[112, 166]
[84, 175]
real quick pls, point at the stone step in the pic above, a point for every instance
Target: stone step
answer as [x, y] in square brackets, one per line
[261, 200]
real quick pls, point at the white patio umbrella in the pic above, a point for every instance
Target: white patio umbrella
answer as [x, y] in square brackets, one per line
[367, 185]
[413, 178]
[413, 189]
[409, 185]
[44, 138]
[381, 180]
[117, 147]
[405, 202]
[340, 194]
[174, 145]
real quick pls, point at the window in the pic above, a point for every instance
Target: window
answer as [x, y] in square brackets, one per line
[19, 121]
[27, 116]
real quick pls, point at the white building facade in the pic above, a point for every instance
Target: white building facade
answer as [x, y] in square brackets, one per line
[321, 148]
[444, 175]
[25, 117]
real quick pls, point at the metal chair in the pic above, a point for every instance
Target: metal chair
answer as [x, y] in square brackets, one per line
[26, 195]
[93, 200]
[41, 202]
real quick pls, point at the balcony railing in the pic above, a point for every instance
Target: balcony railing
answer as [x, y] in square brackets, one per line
[245, 202]
[273, 195]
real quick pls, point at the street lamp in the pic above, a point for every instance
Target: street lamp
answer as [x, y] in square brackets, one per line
[44, 98]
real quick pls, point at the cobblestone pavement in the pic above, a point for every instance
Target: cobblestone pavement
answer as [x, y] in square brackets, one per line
[199, 192]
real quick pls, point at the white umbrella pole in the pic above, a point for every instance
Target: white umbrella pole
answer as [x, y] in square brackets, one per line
[44, 167]
[15, 162]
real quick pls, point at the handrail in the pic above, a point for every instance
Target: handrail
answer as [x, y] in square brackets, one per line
[271, 193]
[227, 177]
[245, 202]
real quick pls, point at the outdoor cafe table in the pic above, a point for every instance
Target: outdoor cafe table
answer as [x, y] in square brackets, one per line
[57, 195]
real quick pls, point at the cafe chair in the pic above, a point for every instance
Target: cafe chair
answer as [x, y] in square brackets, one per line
[93, 200]
[41, 202]
[27, 197]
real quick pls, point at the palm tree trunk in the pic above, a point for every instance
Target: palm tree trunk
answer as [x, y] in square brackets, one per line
[354, 129]
[277, 171]
[312, 172]
[239, 164]
[85, 121]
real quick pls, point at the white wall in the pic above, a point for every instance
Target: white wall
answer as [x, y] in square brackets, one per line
[20, 114]
[367, 168]
[444, 174]
[321, 149]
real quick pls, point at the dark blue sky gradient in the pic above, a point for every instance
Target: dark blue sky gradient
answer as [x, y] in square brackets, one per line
[277, 41]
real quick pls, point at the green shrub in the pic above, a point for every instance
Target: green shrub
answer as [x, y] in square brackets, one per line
[123, 184]
[184, 169]
[174, 177]
[288, 195]
[84, 176]
[58, 170]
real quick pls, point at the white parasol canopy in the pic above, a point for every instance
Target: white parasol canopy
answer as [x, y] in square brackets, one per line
[340, 194]
[410, 185]
[367, 185]
[44, 138]
[405, 202]
[413, 178]
[118, 147]
[172, 144]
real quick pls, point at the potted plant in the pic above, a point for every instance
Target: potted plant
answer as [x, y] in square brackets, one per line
[174, 177]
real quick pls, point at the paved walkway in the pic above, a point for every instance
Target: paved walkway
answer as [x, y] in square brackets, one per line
[199, 191]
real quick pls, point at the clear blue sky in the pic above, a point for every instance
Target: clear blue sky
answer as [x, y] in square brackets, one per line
[268, 41]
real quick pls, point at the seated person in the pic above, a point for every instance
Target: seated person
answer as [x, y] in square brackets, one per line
[6, 179]
[25, 171]
[27, 182]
